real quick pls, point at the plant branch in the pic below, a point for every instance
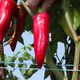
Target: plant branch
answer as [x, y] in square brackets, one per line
[75, 38]
[26, 7]
[76, 61]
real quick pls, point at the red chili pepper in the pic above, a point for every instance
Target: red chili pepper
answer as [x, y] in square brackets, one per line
[40, 30]
[19, 27]
[7, 8]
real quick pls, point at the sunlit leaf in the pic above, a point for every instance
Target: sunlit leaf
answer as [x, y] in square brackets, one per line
[23, 70]
[26, 56]
[29, 47]
[30, 72]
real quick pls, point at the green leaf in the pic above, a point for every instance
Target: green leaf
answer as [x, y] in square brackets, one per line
[21, 40]
[76, 19]
[21, 59]
[53, 48]
[10, 59]
[75, 3]
[57, 35]
[23, 71]
[55, 29]
[75, 16]
[66, 23]
[28, 23]
[12, 65]
[46, 74]
[33, 66]
[29, 47]
[20, 65]
[27, 56]
[30, 72]
[65, 27]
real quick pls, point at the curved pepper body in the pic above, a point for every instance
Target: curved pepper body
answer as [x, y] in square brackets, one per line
[40, 30]
[6, 11]
[19, 27]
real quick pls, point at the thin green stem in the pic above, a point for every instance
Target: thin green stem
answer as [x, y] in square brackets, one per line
[76, 61]
[68, 19]
[26, 7]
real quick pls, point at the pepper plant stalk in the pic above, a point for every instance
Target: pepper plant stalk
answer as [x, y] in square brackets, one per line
[76, 61]
[2, 71]
[75, 38]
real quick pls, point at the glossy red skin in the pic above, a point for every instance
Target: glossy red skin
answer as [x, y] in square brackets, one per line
[19, 27]
[6, 11]
[40, 31]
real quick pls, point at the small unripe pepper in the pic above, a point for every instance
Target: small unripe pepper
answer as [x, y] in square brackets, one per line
[7, 8]
[40, 32]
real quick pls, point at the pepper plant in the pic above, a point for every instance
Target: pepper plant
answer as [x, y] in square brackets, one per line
[61, 19]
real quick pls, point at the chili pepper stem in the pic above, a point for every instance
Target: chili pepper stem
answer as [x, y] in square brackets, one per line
[26, 7]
